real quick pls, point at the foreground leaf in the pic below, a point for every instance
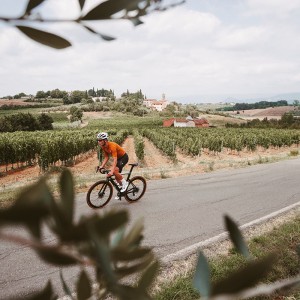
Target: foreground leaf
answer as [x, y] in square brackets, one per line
[137, 267]
[202, 276]
[54, 256]
[134, 236]
[103, 258]
[111, 221]
[67, 290]
[103, 36]
[236, 237]
[106, 9]
[81, 3]
[45, 38]
[245, 277]
[46, 294]
[84, 289]
[30, 207]
[33, 4]
[122, 254]
[67, 194]
[148, 277]
[286, 285]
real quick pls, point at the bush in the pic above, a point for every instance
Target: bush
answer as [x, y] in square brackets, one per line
[25, 122]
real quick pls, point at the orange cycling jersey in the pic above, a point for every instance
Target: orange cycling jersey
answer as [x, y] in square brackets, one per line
[113, 149]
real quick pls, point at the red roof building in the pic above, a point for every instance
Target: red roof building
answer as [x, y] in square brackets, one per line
[188, 122]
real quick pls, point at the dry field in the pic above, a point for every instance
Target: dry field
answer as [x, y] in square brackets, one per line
[270, 113]
[14, 102]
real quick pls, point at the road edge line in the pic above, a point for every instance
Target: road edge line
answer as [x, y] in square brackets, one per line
[222, 236]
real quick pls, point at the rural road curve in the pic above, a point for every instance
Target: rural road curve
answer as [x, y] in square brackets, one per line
[177, 212]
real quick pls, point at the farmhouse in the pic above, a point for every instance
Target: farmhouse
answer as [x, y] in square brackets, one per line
[154, 104]
[187, 122]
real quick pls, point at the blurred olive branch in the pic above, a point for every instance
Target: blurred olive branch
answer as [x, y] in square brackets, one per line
[130, 10]
[90, 242]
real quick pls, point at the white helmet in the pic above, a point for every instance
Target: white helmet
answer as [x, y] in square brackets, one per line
[102, 136]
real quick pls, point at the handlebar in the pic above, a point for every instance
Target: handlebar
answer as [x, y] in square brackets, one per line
[102, 170]
[105, 171]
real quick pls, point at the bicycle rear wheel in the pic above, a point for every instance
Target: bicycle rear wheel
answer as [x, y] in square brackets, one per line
[99, 194]
[136, 189]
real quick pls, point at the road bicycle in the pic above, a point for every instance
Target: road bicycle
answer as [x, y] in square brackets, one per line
[100, 193]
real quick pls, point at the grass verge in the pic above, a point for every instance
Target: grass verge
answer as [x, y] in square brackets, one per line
[283, 239]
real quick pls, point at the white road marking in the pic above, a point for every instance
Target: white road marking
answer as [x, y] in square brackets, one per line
[222, 236]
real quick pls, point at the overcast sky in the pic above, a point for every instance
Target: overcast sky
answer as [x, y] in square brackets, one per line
[193, 52]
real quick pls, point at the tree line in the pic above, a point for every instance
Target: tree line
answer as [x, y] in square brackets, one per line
[77, 96]
[256, 105]
[25, 122]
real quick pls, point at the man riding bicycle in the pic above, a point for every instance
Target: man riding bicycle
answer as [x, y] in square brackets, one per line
[120, 158]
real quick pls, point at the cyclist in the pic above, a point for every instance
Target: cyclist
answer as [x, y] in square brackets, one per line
[120, 158]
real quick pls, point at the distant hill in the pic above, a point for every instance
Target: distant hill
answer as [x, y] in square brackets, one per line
[290, 97]
[237, 98]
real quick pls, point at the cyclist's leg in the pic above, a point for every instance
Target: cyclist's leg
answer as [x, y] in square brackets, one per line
[120, 164]
[118, 176]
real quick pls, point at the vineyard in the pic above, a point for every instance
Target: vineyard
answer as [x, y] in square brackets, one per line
[60, 147]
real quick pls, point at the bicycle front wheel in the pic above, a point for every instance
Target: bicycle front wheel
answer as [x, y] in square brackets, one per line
[136, 189]
[99, 194]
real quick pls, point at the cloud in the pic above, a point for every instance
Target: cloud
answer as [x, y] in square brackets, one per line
[273, 8]
[183, 51]
[240, 38]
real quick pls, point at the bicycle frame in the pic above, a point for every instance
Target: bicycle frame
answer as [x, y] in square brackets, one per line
[104, 188]
[112, 180]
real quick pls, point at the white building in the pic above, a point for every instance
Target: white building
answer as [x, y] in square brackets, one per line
[154, 104]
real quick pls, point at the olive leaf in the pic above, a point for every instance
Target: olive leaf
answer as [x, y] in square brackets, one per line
[65, 286]
[136, 21]
[45, 38]
[134, 236]
[30, 208]
[46, 294]
[122, 254]
[236, 237]
[84, 288]
[81, 3]
[119, 235]
[106, 9]
[135, 267]
[54, 256]
[102, 256]
[33, 4]
[202, 277]
[67, 194]
[103, 36]
[245, 277]
[148, 276]
[109, 222]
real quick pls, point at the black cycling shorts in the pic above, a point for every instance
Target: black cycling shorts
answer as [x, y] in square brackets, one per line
[122, 161]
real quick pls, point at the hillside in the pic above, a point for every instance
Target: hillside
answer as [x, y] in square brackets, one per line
[270, 112]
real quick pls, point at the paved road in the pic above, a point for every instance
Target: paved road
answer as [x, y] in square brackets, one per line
[177, 214]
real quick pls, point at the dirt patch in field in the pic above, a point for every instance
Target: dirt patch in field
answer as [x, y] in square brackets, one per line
[14, 102]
